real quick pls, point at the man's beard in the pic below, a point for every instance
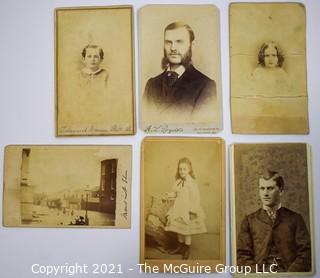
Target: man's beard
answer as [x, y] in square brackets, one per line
[185, 61]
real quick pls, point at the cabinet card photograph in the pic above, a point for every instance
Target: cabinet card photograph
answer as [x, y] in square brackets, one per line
[179, 55]
[268, 68]
[67, 186]
[94, 71]
[182, 203]
[271, 209]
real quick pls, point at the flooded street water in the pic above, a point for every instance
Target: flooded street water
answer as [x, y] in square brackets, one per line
[45, 216]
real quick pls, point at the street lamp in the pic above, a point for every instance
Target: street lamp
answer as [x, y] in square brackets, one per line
[86, 220]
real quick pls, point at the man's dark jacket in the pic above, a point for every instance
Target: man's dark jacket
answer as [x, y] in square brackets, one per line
[288, 232]
[189, 92]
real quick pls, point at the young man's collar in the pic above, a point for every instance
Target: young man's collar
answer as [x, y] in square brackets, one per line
[268, 209]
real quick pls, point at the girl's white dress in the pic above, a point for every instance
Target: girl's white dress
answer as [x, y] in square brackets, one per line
[270, 82]
[186, 216]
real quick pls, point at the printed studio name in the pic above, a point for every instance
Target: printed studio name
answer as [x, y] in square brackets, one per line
[169, 130]
[65, 130]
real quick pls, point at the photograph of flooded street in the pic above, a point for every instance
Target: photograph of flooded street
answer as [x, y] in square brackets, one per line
[66, 186]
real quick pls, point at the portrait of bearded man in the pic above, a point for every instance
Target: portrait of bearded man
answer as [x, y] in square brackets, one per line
[180, 87]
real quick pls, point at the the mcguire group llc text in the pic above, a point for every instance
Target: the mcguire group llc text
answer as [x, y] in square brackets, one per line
[198, 268]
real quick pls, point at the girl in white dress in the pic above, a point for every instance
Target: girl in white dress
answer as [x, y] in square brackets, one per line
[269, 78]
[185, 217]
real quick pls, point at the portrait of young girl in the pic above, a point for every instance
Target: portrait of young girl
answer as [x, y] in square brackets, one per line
[269, 77]
[268, 68]
[185, 217]
[182, 201]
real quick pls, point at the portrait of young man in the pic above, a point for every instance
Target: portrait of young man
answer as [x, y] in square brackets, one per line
[272, 208]
[183, 91]
[274, 236]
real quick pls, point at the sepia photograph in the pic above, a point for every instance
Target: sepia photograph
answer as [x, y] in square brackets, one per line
[268, 68]
[94, 71]
[182, 202]
[271, 208]
[179, 50]
[67, 186]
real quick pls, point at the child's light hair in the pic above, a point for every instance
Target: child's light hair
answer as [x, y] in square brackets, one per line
[188, 162]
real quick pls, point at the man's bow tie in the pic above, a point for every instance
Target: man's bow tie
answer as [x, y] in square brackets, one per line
[171, 78]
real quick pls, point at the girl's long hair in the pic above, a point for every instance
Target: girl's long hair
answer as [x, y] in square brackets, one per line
[188, 162]
[263, 47]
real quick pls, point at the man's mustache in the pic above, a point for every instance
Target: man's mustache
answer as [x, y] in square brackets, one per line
[185, 58]
[174, 53]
